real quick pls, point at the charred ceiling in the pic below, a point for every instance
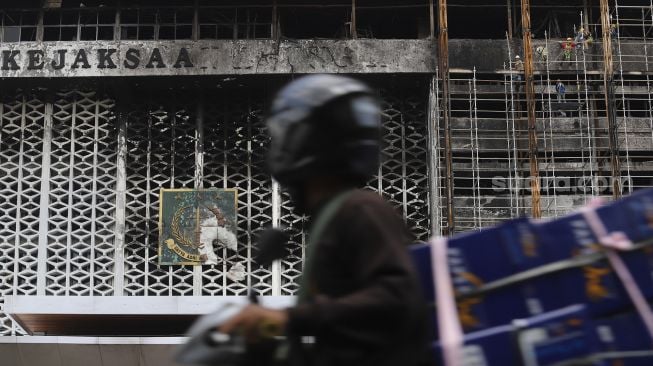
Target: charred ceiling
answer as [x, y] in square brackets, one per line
[82, 20]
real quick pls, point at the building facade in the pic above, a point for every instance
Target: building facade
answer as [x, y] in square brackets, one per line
[104, 103]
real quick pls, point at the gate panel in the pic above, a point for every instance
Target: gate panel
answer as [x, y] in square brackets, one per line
[72, 143]
[80, 235]
[21, 146]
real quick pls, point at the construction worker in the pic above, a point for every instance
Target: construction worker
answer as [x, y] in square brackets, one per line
[518, 68]
[567, 48]
[542, 52]
[561, 89]
[519, 64]
[614, 31]
[580, 38]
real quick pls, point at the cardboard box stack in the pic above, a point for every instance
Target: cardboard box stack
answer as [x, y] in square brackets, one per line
[542, 292]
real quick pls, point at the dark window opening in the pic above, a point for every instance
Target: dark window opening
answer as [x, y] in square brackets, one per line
[90, 3]
[634, 22]
[322, 22]
[51, 34]
[11, 34]
[18, 26]
[486, 21]
[643, 180]
[63, 24]
[29, 18]
[160, 3]
[106, 17]
[22, 4]
[105, 33]
[145, 32]
[562, 19]
[235, 23]
[28, 34]
[137, 24]
[637, 106]
[394, 21]
[175, 23]
[210, 3]
[88, 33]
[68, 34]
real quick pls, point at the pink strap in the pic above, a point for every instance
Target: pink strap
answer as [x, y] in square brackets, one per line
[619, 241]
[449, 329]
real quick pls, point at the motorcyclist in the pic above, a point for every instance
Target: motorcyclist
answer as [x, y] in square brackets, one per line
[359, 296]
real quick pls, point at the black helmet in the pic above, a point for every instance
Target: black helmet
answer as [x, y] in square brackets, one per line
[324, 125]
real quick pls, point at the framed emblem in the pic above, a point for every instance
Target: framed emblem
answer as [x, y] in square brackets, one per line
[195, 223]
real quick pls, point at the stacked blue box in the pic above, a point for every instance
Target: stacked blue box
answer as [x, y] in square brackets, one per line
[523, 268]
[634, 213]
[622, 339]
[542, 340]
[469, 256]
[595, 283]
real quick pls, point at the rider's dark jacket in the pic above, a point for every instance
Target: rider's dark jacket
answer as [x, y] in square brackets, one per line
[365, 306]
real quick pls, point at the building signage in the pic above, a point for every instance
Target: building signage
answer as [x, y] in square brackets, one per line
[219, 57]
[101, 58]
[196, 224]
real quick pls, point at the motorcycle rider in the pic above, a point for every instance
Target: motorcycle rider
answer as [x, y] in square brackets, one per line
[359, 296]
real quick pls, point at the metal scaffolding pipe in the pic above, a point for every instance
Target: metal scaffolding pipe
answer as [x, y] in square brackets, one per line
[610, 105]
[443, 67]
[530, 103]
[352, 24]
[509, 16]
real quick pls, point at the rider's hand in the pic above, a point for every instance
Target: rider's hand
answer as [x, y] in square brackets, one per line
[256, 322]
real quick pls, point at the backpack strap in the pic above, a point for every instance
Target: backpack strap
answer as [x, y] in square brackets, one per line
[323, 218]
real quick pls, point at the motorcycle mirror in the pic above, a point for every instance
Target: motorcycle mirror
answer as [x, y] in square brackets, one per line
[272, 245]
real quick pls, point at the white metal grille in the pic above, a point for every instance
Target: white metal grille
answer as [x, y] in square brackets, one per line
[235, 143]
[21, 146]
[81, 198]
[160, 155]
[81, 180]
[403, 175]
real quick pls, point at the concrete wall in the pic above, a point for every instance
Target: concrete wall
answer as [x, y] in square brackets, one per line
[493, 55]
[158, 58]
[89, 351]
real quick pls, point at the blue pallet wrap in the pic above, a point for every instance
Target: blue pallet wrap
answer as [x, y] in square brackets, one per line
[468, 256]
[546, 339]
[564, 262]
[625, 334]
[595, 283]
[637, 210]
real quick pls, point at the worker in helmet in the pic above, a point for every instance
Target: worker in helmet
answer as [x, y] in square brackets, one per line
[567, 48]
[543, 52]
[580, 38]
[614, 31]
[519, 64]
[359, 295]
[517, 75]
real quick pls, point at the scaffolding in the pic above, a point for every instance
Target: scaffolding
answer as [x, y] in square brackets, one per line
[583, 152]
[632, 48]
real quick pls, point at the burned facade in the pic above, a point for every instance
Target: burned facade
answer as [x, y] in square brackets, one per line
[104, 103]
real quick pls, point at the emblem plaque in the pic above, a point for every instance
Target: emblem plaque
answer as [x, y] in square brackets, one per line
[194, 224]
